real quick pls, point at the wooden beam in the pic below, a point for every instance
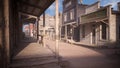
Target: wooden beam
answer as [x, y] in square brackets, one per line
[29, 16]
[32, 5]
[28, 13]
[37, 20]
[37, 2]
[57, 28]
[47, 6]
[44, 29]
[105, 22]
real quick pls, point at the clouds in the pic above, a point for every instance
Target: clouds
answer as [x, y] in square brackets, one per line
[110, 2]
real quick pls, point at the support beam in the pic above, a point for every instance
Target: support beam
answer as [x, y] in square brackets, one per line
[66, 32]
[29, 16]
[105, 22]
[6, 35]
[37, 28]
[23, 12]
[57, 29]
[32, 5]
[44, 29]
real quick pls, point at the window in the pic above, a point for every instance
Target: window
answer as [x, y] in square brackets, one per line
[104, 31]
[94, 33]
[72, 14]
[68, 4]
[65, 17]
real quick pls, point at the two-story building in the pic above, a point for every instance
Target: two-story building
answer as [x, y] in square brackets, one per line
[72, 10]
[90, 24]
[100, 25]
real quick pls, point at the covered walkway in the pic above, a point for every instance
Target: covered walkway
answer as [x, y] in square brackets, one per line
[15, 50]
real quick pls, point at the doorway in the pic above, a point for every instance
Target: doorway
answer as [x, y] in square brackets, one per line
[104, 37]
[93, 34]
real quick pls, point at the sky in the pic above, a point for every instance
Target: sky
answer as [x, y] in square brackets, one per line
[51, 9]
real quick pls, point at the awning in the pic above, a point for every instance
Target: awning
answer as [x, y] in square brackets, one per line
[99, 15]
[32, 7]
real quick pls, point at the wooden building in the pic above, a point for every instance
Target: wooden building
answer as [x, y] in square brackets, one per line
[71, 13]
[90, 24]
[99, 25]
[13, 14]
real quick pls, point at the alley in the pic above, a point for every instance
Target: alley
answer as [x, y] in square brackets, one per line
[86, 57]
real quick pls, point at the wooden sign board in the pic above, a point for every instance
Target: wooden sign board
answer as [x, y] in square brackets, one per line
[95, 16]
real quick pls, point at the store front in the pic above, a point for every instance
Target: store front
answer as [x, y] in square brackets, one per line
[94, 27]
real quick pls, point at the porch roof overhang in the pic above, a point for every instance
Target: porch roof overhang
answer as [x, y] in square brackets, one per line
[32, 7]
[100, 15]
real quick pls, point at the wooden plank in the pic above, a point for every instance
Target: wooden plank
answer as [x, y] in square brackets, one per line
[33, 5]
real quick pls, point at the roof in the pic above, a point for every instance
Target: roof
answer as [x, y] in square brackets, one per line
[32, 7]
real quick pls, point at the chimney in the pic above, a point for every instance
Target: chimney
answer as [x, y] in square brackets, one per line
[118, 6]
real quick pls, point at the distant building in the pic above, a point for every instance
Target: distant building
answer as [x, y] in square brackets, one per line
[28, 29]
[49, 26]
[90, 24]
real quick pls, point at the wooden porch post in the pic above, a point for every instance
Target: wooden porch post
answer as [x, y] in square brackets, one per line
[37, 28]
[57, 29]
[6, 34]
[65, 32]
[44, 29]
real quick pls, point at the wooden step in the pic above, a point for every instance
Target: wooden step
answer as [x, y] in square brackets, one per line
[40, 62]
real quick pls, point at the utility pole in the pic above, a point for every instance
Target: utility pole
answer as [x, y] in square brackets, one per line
[57, 29]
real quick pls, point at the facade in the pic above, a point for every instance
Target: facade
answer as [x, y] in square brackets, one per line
[71, 13]
[49, 26]
[99, 26]
[91, 24]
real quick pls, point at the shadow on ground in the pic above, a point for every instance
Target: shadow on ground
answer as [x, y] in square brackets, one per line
[24, 43]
